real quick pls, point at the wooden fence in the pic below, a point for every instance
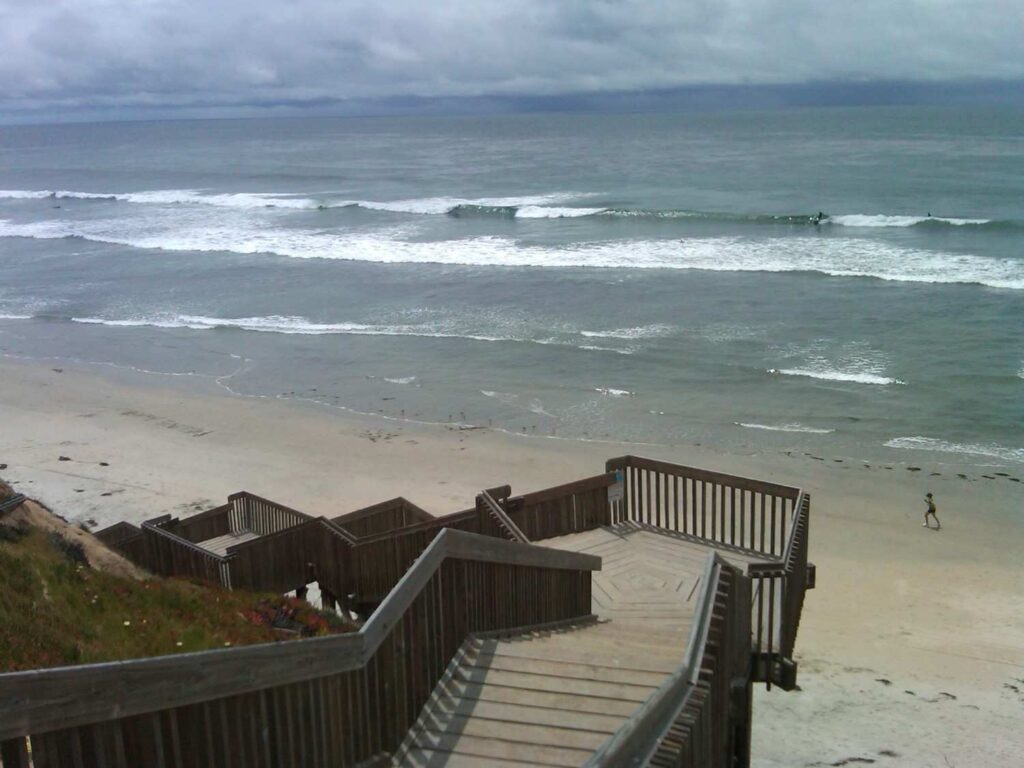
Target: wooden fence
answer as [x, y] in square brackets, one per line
[728, 509]
[250, 512]
[571, 508]
[779, 590]
[383, 517]
[167, 554]
[757, 516]
[335, 701]
[698, 718]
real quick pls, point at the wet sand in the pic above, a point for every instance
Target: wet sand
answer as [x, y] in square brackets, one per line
[911, 649]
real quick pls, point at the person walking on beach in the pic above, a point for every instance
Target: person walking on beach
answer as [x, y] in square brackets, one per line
[930, 502]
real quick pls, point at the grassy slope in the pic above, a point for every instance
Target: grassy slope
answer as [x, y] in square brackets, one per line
[54, 612]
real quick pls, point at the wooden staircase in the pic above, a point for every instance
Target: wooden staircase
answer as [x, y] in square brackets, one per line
[544, 698]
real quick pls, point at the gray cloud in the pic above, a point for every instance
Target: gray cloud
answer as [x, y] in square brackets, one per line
[106, 53]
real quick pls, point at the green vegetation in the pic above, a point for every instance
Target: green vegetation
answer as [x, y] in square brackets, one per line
[55, 610]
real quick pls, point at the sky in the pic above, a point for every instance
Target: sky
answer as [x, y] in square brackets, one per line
[123, 55]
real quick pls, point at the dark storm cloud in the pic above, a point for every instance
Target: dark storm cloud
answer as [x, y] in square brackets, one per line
[75, 53]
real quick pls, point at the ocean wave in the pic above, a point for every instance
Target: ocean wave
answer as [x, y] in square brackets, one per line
[612, 392]
[543, 206]
[401, 380]
[785, 428]
[831, 374]
[882, 220]
[15, 317]
[838, 257]
[640, 332]
[179, 197]
[291, 325]
[990, 450]
[808, 219]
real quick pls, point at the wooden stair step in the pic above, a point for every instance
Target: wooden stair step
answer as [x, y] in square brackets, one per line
[537, 682]
[576, 702]
[430, 758]
[574, 719]
[580, 653]
[564, 668]
[523, 733]
[501, 749]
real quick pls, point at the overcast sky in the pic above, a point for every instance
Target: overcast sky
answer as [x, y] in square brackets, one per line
[67, 54]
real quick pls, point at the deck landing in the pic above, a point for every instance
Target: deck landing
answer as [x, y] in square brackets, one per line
[554, 698]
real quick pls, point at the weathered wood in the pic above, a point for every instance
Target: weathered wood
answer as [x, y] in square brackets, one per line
[147, 709]
[383, 517]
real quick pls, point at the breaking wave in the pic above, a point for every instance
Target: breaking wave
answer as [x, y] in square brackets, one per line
[785, 428]
[839, 257]
[990, 450]
[555, 205]
[640, 332]
[881, 220]
[301, 326]
[831, 374]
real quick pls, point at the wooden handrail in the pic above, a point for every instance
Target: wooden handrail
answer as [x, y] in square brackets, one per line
[503, 519]
[180, 541]
[707, 475]
[65, 697]
[586, 484]
[637, 739]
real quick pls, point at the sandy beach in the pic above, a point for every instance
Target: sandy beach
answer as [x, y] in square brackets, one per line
[911, 649]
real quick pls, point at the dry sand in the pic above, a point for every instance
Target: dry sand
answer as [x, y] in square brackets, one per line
[911, 650]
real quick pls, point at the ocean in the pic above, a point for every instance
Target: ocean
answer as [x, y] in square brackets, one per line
[654, 278]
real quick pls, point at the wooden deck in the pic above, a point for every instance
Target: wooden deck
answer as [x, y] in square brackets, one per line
[553, 698]
[219, 544]
[648, 574]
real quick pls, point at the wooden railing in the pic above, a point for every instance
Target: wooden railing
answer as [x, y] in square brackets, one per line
[205, 525]
[728, 509]
[759, 517]
[571, 508]
[250, 512]
[506, 526]
[779, 590]
[338, 700]
[124, 538]
[167, 554]
[383, 517]
[697, 717]
[315, 549]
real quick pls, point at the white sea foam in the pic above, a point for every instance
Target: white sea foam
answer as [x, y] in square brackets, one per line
[785, 428]
[553, 212]
[442, 329]
[595, 348]
[611, 392]
[15, 317]
[843, 257]
[528, 207]
[401, 380]
[283, 324]
[639, 332]
[991, 450]
[831, 374]
[175, 197]
[881, 220]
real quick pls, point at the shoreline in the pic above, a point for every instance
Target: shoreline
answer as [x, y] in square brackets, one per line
[938, 614]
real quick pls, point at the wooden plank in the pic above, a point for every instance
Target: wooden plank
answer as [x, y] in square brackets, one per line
[571, 719]
[564, 669]
[506, 730]
[501, 749]
[429, 758]
[551, 684]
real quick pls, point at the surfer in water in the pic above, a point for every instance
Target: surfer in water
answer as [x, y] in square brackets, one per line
[819, 218]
